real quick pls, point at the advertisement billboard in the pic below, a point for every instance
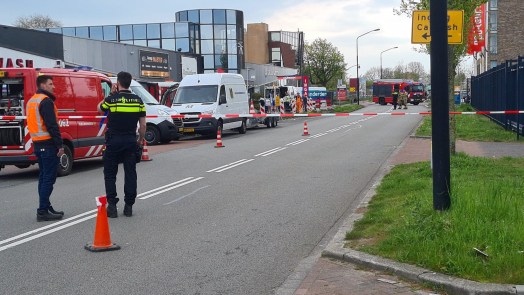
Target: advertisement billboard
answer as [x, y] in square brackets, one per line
[154, 64]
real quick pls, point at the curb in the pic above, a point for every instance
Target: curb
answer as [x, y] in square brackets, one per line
[452, 285]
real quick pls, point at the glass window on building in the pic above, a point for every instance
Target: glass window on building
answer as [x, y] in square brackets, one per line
[220, 31]
[96, 33]
[109, 33]
[493, 4]
[206, 32]
[181, 30]
[232, 61]
[130, 42]
[220, 46]
[155, 43]
[231, 32]
[183, 44]
[56, 30]
[195, 46]
[275, 55]
[168, 44]
[82, 32]
[192, 16]
[221, 61]
[140, 42]
[493, 64]
[168, 30]
[493, 20]
[139, 32]
[209, 62]
[232, 46]
[153, 31]
[231, 17]
[209, 71]
[493, 43]
[126, 32]
[182, 16]
[275, 36]
[219, 16]
[206, 16]
[206, 46]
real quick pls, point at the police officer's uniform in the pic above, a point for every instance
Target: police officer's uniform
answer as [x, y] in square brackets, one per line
[124, 110]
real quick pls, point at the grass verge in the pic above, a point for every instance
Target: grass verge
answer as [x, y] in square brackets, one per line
[472, 127]
[487, 213]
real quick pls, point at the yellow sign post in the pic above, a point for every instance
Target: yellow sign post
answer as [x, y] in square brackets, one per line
[420, 33]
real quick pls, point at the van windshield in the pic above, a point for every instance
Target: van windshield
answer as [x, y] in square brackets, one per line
[417, 88]
[146, 97]
[197, 94]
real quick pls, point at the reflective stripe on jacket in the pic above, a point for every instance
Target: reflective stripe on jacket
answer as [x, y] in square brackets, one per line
[35, 122]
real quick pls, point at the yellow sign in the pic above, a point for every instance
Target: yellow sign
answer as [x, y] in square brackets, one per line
[420, 27]
[352, 89]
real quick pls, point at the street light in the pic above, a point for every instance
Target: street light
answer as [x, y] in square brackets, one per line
[381, 59]
[358, 66]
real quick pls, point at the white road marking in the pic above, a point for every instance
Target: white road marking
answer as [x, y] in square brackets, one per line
[297, 142]
[218, 168]
[233, 166]
[267, 151]
[183, 197]
[275, 151]
[170, 188]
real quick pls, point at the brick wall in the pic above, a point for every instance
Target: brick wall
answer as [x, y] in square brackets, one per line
[510, 30]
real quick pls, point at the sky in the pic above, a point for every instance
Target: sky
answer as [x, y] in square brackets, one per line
[340, 22]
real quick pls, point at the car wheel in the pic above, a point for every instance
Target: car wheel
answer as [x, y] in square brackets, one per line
[23, 166]
[243, 128]
[65, 164]
[152, 135]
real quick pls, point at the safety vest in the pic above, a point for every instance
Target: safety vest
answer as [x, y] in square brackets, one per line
[35, 123]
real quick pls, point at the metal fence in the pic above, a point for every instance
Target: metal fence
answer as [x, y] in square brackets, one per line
[501, 89]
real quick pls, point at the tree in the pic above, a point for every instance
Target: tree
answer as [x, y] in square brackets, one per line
[455, 51]
[324, 63]
[36, 21]
[373, 73]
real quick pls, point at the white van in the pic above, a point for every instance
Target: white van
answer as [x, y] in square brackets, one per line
[161, 129]
[216, 94]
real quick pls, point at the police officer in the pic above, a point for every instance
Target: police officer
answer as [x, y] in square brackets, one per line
[395, 96]
[124, 110]
[43, 127]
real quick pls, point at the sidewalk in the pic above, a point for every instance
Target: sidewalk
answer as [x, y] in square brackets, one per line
[332, 274]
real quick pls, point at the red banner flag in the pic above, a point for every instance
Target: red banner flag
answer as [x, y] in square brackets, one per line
[477, 32]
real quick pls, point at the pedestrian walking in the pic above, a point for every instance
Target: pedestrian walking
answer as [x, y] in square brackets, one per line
[42, 122]
[124, 110]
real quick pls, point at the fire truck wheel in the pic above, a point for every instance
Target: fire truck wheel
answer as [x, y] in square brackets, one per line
[66, 162]
[415, 103]
[273, 122]
[152, 135]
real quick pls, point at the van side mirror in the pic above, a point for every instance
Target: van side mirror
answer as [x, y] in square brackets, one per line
[222, 99]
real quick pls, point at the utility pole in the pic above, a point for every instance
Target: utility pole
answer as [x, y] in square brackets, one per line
[440, 105]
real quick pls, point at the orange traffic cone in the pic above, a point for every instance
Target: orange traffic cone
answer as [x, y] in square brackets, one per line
[145, 153]
[219, 138]
[306, 132]
[251, 107]
[102, 241]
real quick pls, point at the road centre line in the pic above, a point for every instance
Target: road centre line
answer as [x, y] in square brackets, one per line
[233, 166]
[162, 187]
[46, 227]
[267, 151]
[45, 233]
[275, 151]
[318, 135]
[171, 187]
[298, 142]
[218, 168]
[183, 197]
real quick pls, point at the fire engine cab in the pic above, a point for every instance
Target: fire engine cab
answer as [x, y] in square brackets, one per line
[383, 91]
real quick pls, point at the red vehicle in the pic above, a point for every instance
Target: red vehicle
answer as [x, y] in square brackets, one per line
[78, 94]
[383, 91]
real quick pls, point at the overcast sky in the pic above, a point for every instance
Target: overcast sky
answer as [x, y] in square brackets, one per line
[338, 21]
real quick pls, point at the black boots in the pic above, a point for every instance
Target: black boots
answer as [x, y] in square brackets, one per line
[50, 209]
[46, 215]
[111, 211]
[128, 210]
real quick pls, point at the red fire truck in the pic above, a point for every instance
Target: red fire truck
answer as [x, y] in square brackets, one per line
[78, 94]
[383, 91]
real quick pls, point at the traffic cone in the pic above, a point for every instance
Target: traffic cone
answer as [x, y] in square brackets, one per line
[145, 153]
[306, 132]
[251, 107]
[219, 139]
[262, 110]
[102, 241]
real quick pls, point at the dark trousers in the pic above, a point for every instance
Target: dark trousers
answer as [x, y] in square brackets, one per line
[48, 165]
[120, 149]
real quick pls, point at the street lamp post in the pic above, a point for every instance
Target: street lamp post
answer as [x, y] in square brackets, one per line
[381, 59]
[358, 66]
